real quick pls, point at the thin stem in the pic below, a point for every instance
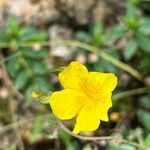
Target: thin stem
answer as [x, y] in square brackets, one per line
[82, 137]
[131, 93]
[87, 47]
[133, 144]
[96, 138]
[107, 57]
[18, 123]
[12, 126]
[11, 107]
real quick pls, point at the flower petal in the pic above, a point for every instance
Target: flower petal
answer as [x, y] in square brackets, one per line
[87, 120]
[103, 107]
[72, 75]
[106, 81]
[98, 84]
[67, 103]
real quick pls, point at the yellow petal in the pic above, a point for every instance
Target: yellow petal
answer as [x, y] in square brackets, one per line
[103, 107]
[87, 120]
[105, 81]
[72, 76]
[98, 84]
[66, 104]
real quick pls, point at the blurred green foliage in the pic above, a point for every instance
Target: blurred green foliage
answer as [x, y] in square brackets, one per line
[26, 65]
[134, 28]
[29, 71]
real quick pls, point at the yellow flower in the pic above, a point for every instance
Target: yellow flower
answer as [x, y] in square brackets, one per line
[86, 95]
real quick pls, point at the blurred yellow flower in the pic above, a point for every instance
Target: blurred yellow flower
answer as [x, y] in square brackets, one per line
[86, 95]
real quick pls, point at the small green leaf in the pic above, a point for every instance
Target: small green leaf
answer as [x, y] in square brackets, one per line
[37, 127]
[147, 140]
[24, 31]
[66, 138]
[13, 65]
[33, 36]
[130, 16]
[105, 66]
[130, 49]
[42, 83]
[121, 147]
[145, 101]
[74, 145]
[21, 79]
[4, 38]
[143, 41]
[28, 52]
[144, 118]
[144, 26]
[38, 67]
[12, 22]
[13, 26]
[116, 32]
[97, 30]
[145, 63]
[83, 36]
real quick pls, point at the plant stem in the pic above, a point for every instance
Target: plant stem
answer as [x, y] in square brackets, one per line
[82, 137]
[131, 93]
[87, 47]
[133, 144]
[95, 138]
[107, 57]
[12, 126]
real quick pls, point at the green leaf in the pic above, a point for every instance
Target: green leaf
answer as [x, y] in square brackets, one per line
[144, 118]
[130, 16]
[42, 83]
[38, 67]
[130, 49]
[121, 147]
[145, 101]
[13, 66]
[143, 41]
[13, 26]
[28, 52]
[147, 140]
[37, 127]
[21, 80]
[4, 38]
[66, 138]
[144, 26]
[116, 32]
[97, 30]
[34, 35]
[74, 145]
[134, 2]
[24, 31]
[12, 22]
[29, 90]
[105, 66]
[83, 36]
[145, 63]
[131, 11]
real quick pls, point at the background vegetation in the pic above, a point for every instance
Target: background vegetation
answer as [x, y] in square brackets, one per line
[32, 52]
